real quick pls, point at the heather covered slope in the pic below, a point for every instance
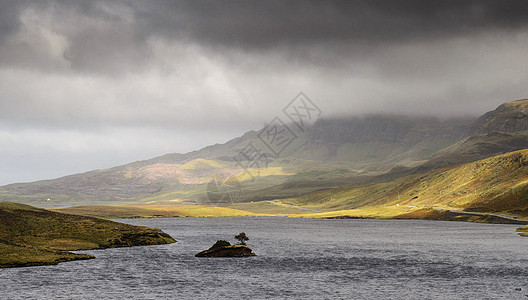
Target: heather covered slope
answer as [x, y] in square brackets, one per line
[33, 236]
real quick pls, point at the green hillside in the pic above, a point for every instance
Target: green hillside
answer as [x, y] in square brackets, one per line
[496, 185]
[32, 236]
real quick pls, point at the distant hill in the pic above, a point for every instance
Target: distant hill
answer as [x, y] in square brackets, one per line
[365, 148]
[477, 147]
[495, 185]
[511, 117]
[333, 152]
[502, 130]
[382, 141]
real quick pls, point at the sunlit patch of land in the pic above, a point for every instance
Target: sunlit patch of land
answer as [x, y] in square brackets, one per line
[154, 211]
[414, 213]
[262, 172]
[201, 163]
[523, 231]
[382, 212]
[266, 207]
[167, 210]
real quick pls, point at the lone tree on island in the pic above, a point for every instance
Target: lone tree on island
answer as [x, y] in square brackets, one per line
[242, 238]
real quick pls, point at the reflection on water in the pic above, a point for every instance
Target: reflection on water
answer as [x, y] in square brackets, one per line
[297, 258]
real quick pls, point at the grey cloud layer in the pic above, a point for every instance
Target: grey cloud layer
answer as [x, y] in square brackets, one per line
[117, 61]
[78, 76]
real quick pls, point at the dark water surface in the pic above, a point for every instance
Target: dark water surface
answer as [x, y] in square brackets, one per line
[297, 258]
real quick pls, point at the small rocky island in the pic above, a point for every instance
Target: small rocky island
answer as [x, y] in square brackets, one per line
[224, 249]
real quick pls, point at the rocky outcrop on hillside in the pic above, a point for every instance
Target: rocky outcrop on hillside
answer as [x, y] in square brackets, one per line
[380, 139]
[500, 131]
[509, 117]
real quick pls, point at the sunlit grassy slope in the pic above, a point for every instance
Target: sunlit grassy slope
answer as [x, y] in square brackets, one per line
[523, 231]
[497, 184]
[266, 207]
[246, 209]
[149, 211]
[385, 212]
[32, 236]
[201, 164]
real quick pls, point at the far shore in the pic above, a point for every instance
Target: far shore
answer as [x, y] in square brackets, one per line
[277, 208]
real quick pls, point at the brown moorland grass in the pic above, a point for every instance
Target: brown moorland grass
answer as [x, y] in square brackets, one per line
[33, 236]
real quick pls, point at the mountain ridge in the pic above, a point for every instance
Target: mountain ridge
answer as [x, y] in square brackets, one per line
[366, 149]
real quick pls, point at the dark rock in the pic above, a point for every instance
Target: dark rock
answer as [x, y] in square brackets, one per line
[227, 251]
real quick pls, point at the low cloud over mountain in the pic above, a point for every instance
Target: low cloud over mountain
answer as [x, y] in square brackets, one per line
[92, 84]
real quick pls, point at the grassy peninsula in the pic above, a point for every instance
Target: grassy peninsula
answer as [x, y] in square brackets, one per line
[31, 236]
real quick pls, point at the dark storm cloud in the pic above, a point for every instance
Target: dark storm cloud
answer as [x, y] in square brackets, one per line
[81, 79]
[107, 57]
[267, 24]
[113, 36]
[9, 12]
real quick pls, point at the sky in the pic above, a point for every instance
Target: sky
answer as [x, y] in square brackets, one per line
[94, 84]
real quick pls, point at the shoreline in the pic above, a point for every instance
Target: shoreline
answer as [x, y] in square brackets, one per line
[141, 211]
